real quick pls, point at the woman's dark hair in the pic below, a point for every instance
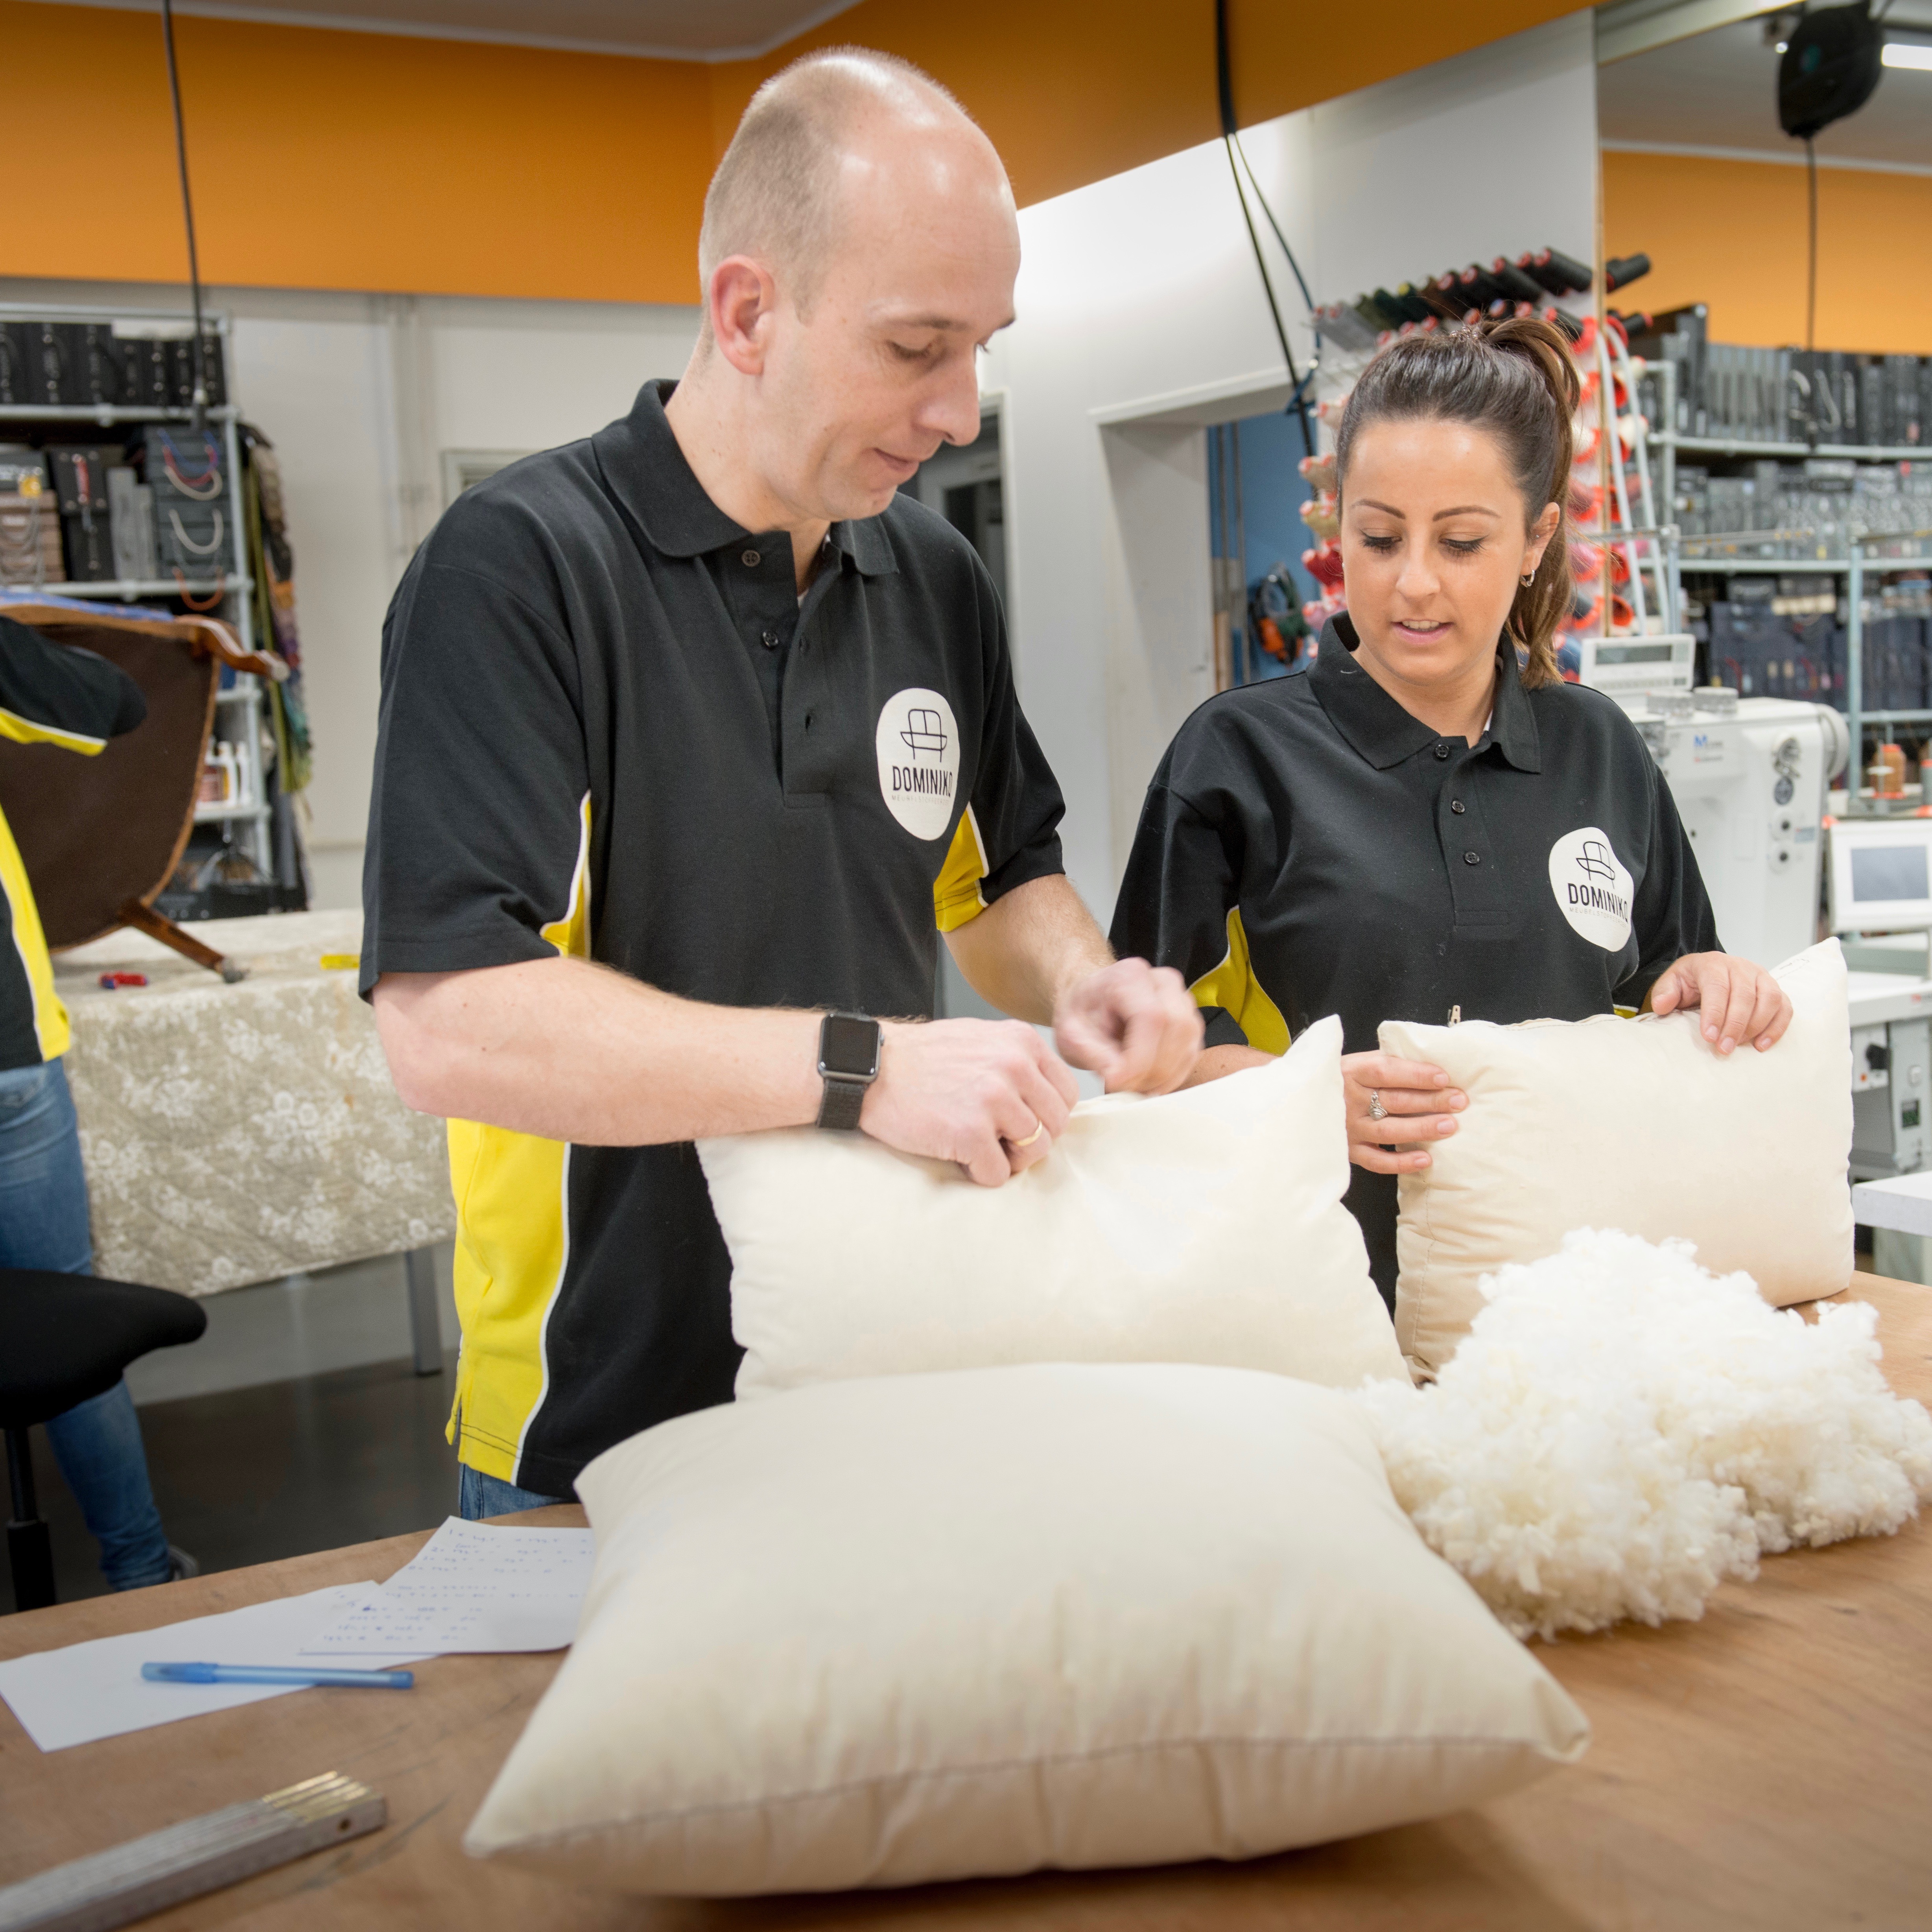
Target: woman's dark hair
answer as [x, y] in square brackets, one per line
[1514, 378]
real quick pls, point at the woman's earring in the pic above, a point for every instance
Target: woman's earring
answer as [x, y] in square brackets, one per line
[1528, 577]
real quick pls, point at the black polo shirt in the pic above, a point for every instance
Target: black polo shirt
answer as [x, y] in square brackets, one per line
[610, 730]
[1309, 847]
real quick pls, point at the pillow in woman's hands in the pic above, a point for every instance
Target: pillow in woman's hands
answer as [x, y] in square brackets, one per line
[1203, 1226]
[1637, 1125]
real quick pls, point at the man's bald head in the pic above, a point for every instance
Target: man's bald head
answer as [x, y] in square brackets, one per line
[859, 249]
[778, 192]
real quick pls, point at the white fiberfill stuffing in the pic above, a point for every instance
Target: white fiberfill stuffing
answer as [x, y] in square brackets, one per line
[1621, 1431]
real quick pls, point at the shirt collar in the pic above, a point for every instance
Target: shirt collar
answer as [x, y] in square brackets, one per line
[1384, 734]
[646, 471]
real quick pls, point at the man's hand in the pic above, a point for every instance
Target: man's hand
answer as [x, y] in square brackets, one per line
[1134, 1024]
[1741, 1004]
[1418, 1106]
[989, 1094]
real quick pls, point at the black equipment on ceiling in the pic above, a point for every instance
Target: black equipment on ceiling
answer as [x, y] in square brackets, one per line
[1830, 66]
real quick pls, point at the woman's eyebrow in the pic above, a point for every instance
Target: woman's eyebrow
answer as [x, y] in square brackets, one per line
[1369, 503]
[1465, 510]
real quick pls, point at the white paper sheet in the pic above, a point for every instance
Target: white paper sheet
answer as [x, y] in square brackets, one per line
[472, 1587]
[91, 1690]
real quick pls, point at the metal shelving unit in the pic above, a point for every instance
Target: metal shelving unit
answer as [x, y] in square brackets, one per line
[128, 589]
[251, 814]
[1668, 442]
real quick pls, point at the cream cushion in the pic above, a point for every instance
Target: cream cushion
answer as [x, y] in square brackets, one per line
[1204, 1226]
[1637, 1125]
[919, 1628]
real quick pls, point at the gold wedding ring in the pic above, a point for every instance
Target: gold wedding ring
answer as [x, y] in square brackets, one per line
[1038, 1130]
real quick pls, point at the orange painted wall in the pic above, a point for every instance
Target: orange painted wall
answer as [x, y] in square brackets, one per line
[1733, 234]
[330, 160]
[1073, 90]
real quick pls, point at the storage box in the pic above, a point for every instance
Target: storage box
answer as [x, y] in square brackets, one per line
[130, 521]
[90, 546]
[159, 359]
[30, 539]
[80, 474]
[180, 467]
[18, 371]
[197, 539]
[23, 470]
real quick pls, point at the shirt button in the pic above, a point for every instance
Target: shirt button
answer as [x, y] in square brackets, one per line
[750, 559]
[1442, 751]
[769, 639]
[1456, 805]
[1472, 858]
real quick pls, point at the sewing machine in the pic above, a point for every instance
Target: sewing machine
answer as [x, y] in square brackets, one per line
[1749, 777]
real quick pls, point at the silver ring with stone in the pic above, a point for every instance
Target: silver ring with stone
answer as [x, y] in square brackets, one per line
[1377, 1111]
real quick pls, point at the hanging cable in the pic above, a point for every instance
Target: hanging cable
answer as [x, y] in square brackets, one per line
[1811, 253]
[1298, 400]
[200, 401]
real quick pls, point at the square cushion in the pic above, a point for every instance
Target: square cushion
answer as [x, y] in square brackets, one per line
[1204, 1226]
[920, 1628]
[1637, 1125]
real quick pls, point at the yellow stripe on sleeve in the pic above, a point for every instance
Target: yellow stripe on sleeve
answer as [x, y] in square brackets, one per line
[512, 1248]
[956, 897]
[50, 1024]
[25, 731]
[1233, 987]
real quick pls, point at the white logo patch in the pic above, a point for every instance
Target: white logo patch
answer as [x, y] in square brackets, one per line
[1593, 890]
[919, 761]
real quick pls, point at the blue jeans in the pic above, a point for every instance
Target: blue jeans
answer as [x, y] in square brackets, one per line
[478, 1495]
[44, 1225]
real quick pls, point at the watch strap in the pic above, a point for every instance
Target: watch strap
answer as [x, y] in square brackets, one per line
[844, 1101]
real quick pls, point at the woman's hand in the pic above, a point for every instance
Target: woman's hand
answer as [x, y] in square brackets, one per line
[1741, 1005]
[1419, 1104]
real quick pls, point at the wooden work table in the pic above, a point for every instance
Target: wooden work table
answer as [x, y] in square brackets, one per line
[1768, 1767]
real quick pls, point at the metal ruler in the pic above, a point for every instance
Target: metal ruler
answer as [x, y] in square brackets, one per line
[128, 1881]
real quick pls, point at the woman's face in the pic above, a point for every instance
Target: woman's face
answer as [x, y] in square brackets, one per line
[1434, 547]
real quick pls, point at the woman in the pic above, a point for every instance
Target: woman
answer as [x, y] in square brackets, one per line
[52, 695]
[1430, 825]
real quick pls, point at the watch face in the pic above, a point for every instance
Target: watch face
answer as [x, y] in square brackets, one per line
[849, 1045]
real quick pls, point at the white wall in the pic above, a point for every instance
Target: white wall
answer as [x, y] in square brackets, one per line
[360, 394]
[1141, 318]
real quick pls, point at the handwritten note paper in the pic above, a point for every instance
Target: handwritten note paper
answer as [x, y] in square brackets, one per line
[95, 1690]
[472, 1587]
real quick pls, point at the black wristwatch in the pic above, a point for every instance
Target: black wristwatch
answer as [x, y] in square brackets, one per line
[848, 1063]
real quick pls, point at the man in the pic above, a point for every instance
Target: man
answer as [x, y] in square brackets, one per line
[696, 730]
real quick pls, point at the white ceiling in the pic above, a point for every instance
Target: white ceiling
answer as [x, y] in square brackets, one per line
[1719, 90]
[700, 30]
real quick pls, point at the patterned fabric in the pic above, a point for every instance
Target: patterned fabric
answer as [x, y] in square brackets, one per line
[237, 1134]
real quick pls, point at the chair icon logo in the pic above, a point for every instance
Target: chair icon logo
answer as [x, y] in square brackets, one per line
[925, 732]
[1598, 860]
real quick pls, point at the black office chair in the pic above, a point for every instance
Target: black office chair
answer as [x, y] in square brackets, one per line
[63, 1339]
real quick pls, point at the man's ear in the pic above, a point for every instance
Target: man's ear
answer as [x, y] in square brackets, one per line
[743, 298]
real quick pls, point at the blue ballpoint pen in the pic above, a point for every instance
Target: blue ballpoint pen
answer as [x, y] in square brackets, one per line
[268, 1673]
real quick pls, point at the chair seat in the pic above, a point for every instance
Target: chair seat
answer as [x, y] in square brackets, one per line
[65, 1338]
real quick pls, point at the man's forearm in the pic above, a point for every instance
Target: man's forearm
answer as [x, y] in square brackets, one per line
[572, 1052]
[1028, 946]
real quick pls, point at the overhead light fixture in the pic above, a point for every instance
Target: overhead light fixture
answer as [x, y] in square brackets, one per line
[1908, 53]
